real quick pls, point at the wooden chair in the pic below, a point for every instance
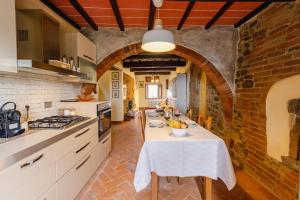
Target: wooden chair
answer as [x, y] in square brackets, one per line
[208, 123]
[205, 122]
[140, 116]
[189, 114]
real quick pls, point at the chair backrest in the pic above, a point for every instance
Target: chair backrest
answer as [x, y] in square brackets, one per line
[190, 113]
[140, 116]
[208, 123]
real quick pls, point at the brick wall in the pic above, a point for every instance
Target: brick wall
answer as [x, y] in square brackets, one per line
[34, 90]
[215, 109]
[269, 50]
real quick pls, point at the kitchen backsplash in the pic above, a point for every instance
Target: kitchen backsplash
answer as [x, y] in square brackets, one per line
[34, 90]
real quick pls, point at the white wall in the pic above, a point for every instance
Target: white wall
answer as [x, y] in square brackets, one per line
[143, 102]
[278, 118]
[105, 93]
[34, 90]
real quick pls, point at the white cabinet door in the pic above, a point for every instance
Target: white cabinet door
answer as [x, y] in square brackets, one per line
[104, 148]
[8, 41]
[86, 48]
[30, 177]
[73, 181]
[70, 159]
[50, 194]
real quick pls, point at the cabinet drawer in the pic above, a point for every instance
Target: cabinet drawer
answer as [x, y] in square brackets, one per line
[50, 194]
[73, 181]
[68, 144]
[71, 158]
[30, 177]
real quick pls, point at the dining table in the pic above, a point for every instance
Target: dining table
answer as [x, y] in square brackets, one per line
[199, 153]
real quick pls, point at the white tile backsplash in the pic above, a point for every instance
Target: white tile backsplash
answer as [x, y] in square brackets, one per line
[34, 90]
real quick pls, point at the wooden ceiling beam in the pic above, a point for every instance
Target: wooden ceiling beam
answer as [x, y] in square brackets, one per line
[186, 14]
[152, 69]
[115, 7]
[253, 13]
[84, 14]
[61, 13]
[219, 14]
[154, 56]
[152, 73]
[151, 15]
[154, 63]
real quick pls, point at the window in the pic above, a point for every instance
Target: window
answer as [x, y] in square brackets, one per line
[153, 91]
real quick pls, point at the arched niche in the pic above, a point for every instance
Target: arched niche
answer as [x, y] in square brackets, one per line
[279, 120]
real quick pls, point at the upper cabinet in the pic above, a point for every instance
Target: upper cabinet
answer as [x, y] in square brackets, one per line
[8, 41]
[77, 45]
[86, 49]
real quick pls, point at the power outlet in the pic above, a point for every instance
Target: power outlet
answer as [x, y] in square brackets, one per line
[48, 104]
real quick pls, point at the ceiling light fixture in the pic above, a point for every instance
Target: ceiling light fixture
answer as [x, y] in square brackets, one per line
[158, 39]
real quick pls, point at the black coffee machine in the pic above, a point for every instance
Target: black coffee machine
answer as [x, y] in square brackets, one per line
[10, 124]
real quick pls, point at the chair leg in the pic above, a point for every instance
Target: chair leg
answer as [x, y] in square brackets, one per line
[168, 179]
[179, 180]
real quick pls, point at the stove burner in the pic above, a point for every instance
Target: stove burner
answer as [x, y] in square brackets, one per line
[56, 122]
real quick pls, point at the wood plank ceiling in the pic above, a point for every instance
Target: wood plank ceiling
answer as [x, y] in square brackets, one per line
[141, 13]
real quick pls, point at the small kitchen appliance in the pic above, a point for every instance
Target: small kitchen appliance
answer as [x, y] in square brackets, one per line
[10, 124]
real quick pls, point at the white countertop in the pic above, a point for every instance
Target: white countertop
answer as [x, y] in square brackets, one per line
[16, 144]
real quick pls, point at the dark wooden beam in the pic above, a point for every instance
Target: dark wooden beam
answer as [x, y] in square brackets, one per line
[186, 14]
[132, 64]
[152, 73]
[115, 7]
[253, 13]
[60, 13]
[219, 14]
[154, 56]
[152, 69]
[84, 14]
[151, 15]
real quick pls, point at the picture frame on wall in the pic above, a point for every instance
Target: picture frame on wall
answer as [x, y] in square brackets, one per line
[148, 79]
[115, 84]
[115, 94]
[115, 75]
[141, 84]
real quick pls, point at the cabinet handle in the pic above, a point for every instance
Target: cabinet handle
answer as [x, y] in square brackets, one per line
[82, 148]
[83, 162]
[105, 141]
[88, 57]
[83, 132]
[32, 161]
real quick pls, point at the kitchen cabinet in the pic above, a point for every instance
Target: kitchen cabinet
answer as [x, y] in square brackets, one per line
[30, 177]
[50, 194]
[83, 51]
[77, 45]
[8, 41]
[104, 148]
[72, 182]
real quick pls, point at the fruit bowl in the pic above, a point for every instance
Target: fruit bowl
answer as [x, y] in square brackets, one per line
[179, 131]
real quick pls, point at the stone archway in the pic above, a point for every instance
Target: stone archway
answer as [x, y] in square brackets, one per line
[211, 71]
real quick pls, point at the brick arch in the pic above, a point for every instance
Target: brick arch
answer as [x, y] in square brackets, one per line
[211, 71]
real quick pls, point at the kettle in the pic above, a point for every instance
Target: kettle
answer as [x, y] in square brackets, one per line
[10, 121]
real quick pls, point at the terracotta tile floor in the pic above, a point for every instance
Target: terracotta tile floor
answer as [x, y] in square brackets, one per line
[114, 178]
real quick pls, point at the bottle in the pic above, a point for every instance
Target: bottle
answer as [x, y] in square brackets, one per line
[64, 59]
[71, 63]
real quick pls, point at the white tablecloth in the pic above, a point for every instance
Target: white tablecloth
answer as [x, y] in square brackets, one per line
[200, 154]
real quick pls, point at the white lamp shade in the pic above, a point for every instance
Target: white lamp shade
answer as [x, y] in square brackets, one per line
[158, 40]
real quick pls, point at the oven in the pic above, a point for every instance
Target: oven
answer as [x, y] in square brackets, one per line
[104, 115]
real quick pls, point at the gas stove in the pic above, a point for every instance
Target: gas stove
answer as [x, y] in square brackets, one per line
[56, 122]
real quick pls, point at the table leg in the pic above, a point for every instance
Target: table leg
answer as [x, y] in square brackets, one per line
[154, 185]
[207, 188]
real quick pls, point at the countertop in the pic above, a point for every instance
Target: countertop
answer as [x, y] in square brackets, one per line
[32, 137]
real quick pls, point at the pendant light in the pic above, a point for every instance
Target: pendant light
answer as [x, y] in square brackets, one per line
[158, 39]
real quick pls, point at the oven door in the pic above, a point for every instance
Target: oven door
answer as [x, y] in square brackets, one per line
[104, 122]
